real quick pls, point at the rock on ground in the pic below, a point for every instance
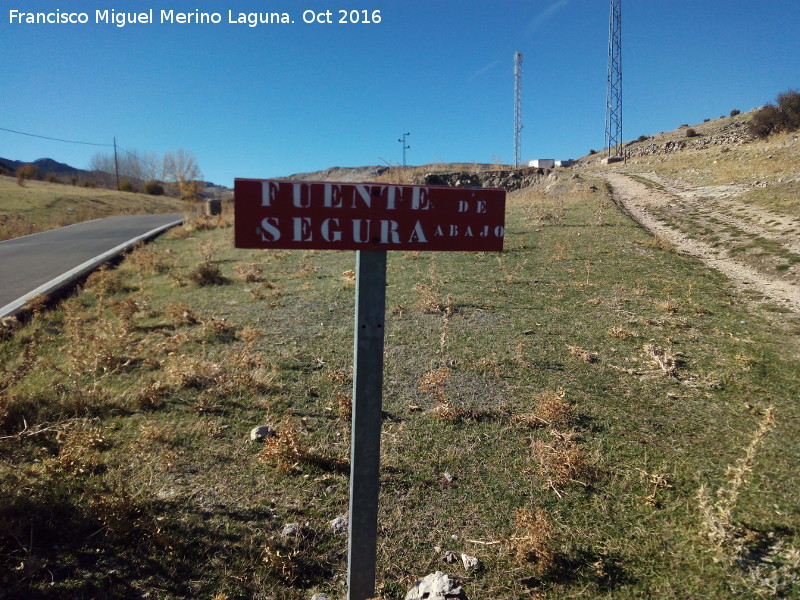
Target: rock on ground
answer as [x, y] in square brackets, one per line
[436, 586]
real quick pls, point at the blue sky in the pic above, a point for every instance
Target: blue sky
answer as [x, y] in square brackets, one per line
[278, 99]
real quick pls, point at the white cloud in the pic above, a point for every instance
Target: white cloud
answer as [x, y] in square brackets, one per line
[545, 15]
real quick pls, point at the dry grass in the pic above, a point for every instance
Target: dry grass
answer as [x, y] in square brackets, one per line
[288, 453]
[40, 205]
[533, 539]
[561, 461]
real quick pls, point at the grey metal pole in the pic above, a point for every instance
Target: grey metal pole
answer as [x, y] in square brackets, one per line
[403, 141]
[365, 446]
[116, 163]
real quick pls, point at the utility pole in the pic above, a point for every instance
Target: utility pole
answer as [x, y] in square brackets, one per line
[403, 141]
[116, 163]
[517, 108]
[614, 80]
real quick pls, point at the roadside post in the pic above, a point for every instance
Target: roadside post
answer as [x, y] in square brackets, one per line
[370, 218]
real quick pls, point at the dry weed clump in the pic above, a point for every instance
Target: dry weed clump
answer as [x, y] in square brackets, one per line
[147, 260]
[190, 372]
[266, 289]
[433, 383]
[79, 451]
[8, 325]
[282, 561]
[717, 527]
[533, 539]
[98, 347]
[772, 566]
[105, 282]
[287, 451]
[429, 298]
[430, 293]
[181, 314]
[207, 273]
[583, 355]
[344, 406]
[552, 410]
[150, 396]
[562, 461]
[12, 226]
[620, 333]
[348, 278]
[250, 272]
[664, 359]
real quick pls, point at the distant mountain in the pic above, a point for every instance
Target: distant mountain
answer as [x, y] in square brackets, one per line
[48, 165]
[45, 165]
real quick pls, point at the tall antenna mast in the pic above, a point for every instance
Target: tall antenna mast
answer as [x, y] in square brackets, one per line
[517, 108]
[614, 83]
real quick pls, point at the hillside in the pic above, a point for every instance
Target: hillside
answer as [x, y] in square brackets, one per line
[723, 196]
[40, 205]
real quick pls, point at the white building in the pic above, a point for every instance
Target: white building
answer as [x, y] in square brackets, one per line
[542, 163]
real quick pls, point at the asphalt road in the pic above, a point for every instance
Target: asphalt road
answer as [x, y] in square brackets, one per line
[45, 262]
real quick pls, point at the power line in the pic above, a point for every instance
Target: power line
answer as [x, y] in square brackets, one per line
[44, 137]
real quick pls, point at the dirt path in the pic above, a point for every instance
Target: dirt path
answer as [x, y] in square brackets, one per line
[652, 206]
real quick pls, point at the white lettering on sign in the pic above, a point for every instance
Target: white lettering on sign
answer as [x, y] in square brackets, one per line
[330, 215]
[269, 231]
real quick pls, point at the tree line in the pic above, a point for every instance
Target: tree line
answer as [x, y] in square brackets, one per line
[175, 173]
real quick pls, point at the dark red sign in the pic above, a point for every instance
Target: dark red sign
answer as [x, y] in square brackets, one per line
[366, 216]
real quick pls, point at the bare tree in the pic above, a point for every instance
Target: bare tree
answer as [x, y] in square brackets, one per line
[182, 172]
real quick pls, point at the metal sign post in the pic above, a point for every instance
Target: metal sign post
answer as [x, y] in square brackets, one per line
[365, 449]
[370, 218]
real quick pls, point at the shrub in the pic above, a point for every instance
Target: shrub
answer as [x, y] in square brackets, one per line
[691, 132]
[592, 151]
[735, 112]
[766, 121]
[153, 188]
[73, 180]
[789, 105]
[772, 119]
[52, 178]
[25, 172]
[125, 186]
[642, 138]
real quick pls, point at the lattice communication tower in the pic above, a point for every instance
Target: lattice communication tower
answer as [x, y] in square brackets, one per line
[517, 108]
[614, 82]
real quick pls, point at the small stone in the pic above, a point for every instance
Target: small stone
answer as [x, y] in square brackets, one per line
[259, 434]
[450, 557]
[447, 477]
[340, 524]
[436, 586]
[470, 562]
[291, 530]
[321, 597]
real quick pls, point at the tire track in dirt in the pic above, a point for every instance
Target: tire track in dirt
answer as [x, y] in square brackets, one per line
[637, 200]
[715, 201]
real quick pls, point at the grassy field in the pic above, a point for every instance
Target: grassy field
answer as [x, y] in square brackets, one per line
[588, 413]
[39, 205]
